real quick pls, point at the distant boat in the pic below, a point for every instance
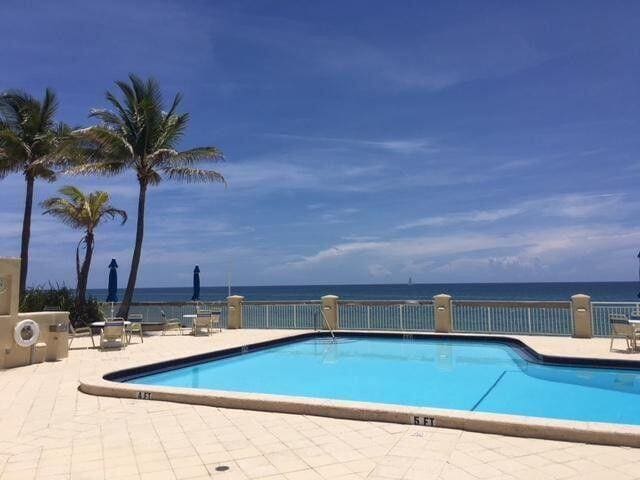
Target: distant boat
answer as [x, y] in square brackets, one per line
[410, 282]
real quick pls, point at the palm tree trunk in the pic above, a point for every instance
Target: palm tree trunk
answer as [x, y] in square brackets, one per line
[123, 311]
[26, 234]
[83, 272]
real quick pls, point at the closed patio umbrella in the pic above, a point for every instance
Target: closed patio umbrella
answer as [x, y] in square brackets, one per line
[112, 294]
[196, 284]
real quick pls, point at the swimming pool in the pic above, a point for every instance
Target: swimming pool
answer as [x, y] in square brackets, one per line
[464, 374]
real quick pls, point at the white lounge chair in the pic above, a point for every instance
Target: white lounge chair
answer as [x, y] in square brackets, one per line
[113, 335]
[203, 322]
[621, 327]
[170, 323]
[80, 332]
[135, 326]
[215, 320]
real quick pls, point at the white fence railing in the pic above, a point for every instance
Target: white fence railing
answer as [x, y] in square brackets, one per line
[152, 311]
[532, 318]
[282, 315]
[600, 314]
[386, 315]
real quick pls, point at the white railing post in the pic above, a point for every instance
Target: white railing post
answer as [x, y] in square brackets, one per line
[369, 317]
[267, 314]
[295, 311]
[401, 319]
[235, 307]
[529, 318]
[444, 314]
[489, 318]
[330, 311]
[581, 310]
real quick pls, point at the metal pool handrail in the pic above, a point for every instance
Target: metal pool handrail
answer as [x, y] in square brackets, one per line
[326, 322]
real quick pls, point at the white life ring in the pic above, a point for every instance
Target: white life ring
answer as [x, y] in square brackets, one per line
[26, 333]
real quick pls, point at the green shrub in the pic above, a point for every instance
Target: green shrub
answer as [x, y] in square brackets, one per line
[36, 299]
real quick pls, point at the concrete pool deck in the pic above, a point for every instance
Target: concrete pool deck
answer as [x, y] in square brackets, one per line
[49, 429]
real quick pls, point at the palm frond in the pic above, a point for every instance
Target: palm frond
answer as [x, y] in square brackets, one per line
[98, 168]
[13, 105]
[197, 155]
[74, 193]
[100, 144]
[170, 158]
[46, 144]
[126, 116]
[112, 213]
[107, 117]
[8, 165]
[173, 130]
[193, 175]
[64, 210]
[129, 95]
[13, 146]
[41, 171]
[48, 110]
[176, 101]
[151, 176]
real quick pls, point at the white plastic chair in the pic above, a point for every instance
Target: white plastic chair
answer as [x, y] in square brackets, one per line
[622, 328]
[80, 332]
[202, 322]
[215, 320]
[170, 323]
[135, 326]
[113, 335]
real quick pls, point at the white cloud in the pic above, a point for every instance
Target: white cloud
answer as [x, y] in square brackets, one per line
[473, 217]
[574, 206]
[400, 146]
[359, 238]
[277, 173]
[534, 249]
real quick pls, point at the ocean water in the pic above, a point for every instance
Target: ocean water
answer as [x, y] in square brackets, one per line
[599, 291]
[462, 375]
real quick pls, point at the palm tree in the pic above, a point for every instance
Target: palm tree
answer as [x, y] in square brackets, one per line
[29, 136]
[140, 135]
[82, 212]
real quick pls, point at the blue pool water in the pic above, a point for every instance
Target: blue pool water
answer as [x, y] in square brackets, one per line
[464, 375]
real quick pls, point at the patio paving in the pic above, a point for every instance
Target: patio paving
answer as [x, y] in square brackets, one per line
[50, 430]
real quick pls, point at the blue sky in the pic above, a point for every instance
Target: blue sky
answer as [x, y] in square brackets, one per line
[365, 141]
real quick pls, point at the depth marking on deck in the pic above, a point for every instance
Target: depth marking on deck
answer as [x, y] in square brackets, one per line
[488, 391]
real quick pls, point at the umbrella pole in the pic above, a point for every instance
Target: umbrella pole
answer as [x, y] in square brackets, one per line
[639, 272]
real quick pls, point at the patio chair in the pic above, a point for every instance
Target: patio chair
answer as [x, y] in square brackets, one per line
[622, 328]
[170, 323]
[215, 320]
[202, 322]
[80, 332]
[135, 326]
[113, 335]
